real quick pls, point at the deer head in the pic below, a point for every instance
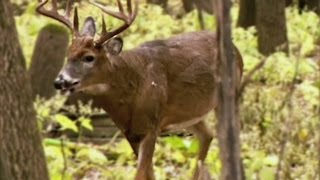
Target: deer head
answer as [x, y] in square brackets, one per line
[86, 55]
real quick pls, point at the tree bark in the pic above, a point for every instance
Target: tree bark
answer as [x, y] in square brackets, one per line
[271, 26]
[289, 3]
[201, 5]
[21, 152]
[162, 3]
[247, 13]
[47, 59]
[188, 5]
[205, 5]
[227, 110]
[313, 5]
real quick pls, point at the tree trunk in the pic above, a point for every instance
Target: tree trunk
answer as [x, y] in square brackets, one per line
[162, 3]
[188, 5]
[289, 3]
[205, 5]
[47, 59]
[247, 13]
[227, 110]
[21, 152]
[313, 5]
[201, 5]
[271, 26]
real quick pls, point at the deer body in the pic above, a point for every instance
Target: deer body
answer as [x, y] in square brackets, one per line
[162, 85]
[166, 81]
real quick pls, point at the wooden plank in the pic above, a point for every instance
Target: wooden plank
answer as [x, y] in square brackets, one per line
[101, 132]
[96, 141]
[102, 122]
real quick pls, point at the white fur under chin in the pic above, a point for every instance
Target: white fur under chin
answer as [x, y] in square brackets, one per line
[96, 89]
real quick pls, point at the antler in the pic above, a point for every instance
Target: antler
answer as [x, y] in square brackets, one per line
[54, 14]
[128, 19]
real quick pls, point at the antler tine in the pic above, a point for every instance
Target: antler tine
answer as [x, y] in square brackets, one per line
[107, 11]
[104, 28]
[128, 19]
[54, 5]
[69, 8]
[54, 14]
[120, 7]
[136, 4]
[76, 22]
[129, 7]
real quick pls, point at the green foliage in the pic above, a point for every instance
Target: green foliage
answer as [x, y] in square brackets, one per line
[263, 124]
[307, 34]
[92, 155]
[55, 159]
[260, 165]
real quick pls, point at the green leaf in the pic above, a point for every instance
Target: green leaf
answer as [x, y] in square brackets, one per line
[57, 175]
[193, 147]
[45, 112]
[271, 160]
[92, 155]
[66, 123]
[53, 152]
[175, 142]
[267, 173]
[317, 84]
[86, 123]
[179, 157]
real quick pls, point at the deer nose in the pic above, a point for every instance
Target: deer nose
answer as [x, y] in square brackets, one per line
[63, 83]
[58, 83]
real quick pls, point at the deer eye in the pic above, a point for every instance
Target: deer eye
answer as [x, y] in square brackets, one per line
[88, 59]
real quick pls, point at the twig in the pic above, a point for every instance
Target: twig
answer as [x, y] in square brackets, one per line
[283, 144]
[318, 173]
[248, 78]
[200, 18]
[113, 139]
[285, 102]
[64, 159]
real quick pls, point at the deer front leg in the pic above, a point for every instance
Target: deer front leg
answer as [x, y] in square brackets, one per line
[145, 165]
[205, 136]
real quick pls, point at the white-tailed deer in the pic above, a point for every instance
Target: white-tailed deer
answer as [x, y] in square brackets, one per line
[161, 85]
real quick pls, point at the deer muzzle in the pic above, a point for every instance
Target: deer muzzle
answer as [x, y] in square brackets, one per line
[65, 83]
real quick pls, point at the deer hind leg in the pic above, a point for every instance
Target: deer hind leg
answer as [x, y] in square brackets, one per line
[145, 155]
[205, 137]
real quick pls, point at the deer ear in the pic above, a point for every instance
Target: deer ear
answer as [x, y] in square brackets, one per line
[114, 46]
[89, 27]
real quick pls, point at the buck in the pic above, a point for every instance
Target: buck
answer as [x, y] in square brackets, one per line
[159, 86]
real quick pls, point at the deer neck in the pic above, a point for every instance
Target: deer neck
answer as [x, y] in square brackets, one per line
[123, 80]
